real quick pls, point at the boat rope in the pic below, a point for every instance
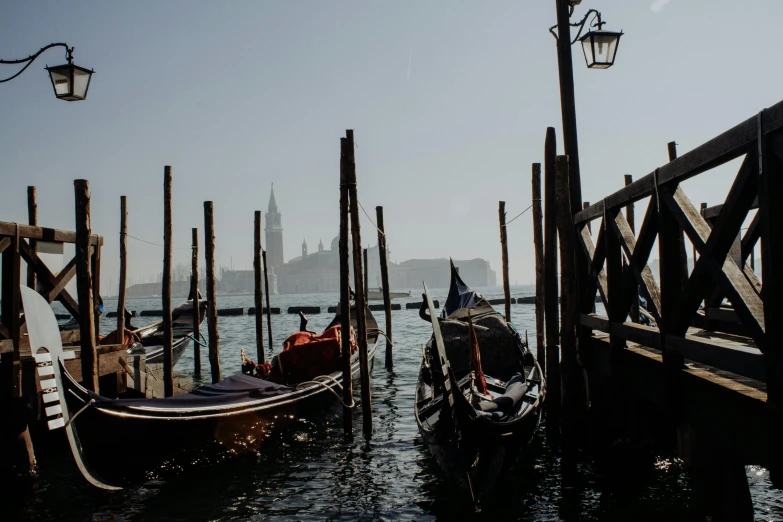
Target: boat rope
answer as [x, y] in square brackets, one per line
[325, 385]
[379, 331]
[92, 401]
[157, 244]
[371, 221]
[191, 337]
[528, 208]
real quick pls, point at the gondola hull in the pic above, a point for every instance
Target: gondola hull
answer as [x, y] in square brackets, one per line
[144, 442]
[485, 451]
[479, 391]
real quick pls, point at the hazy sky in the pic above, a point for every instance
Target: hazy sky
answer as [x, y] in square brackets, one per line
[449, 100]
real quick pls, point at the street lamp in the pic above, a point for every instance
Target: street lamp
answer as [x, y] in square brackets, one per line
[70, 82]
[600, 49]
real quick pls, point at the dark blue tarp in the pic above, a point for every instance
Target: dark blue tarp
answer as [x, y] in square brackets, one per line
[232, 391]
[460, 296]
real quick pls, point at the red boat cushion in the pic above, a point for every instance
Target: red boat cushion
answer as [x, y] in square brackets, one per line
[307, 355]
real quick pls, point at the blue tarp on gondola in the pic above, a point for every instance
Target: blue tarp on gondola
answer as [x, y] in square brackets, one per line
[462, 297]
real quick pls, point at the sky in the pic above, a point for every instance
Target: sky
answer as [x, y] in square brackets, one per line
[449, 101]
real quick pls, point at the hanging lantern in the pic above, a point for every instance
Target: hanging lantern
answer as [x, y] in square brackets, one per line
[70, 82]
[600, 48]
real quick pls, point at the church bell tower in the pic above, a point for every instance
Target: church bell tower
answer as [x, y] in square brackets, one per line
[274, 232]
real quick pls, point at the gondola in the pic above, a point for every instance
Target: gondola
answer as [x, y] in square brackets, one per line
[151, 336]
[475, 432]
[116, 441]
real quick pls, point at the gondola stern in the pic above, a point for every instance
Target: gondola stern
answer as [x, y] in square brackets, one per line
[46, 347]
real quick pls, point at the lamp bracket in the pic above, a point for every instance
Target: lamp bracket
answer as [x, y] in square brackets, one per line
[29, 60]
[581, 24]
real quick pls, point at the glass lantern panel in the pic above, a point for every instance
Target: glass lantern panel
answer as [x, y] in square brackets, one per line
[587, 47]
[604, 45]
[81, 82]
[60, 80]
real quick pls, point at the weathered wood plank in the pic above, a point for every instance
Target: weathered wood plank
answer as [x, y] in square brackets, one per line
[642, 273]
[721, 149]
[62, 280]
[551, 300]
[597, 278]
[727, 274]
[42, 233]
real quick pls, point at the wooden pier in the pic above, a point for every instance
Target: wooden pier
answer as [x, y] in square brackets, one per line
[708, 371]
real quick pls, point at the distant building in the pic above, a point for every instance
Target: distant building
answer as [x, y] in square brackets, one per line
[274, 233]
[319, 271]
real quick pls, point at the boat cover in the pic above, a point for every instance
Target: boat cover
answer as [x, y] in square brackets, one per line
[461, 298]
[234, 390]
[507, 403]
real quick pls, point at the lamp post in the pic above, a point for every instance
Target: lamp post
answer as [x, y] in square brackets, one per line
[70, 82]
[600, 49]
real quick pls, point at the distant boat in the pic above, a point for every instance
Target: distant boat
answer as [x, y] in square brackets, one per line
[376, 294]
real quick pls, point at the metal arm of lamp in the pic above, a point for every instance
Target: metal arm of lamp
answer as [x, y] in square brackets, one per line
[70, 82]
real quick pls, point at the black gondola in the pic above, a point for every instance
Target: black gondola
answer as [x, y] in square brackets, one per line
[151, 336]
[111, 438]
[475, 437]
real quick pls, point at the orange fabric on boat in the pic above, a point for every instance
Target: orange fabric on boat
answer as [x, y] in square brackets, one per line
[307, 355]
[475, 361]
[130, 338]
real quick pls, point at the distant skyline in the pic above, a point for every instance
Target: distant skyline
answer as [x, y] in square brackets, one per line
[449, 100]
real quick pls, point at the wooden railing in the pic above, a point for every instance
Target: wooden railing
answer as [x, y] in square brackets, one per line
[618, 260]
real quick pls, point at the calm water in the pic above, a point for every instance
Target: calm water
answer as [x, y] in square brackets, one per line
[311, 473]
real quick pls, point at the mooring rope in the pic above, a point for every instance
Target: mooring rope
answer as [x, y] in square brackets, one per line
[92, 401]
[528, 208]
[371, 221]
[157, 244]
[321, 383]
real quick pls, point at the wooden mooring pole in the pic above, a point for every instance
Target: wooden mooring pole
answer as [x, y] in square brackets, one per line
[212, 315]
[32, 219]
[257, 289]
[630, 217]
[18, 455]
[551, 300]
[504, 257]
[196, 309]
[538, 245]
[168, 346]
[123, 269]
[268, 304]
[366, 277]
[361, 292]
[89, 356]
[569, 366]
[345, 293]
[385, 285]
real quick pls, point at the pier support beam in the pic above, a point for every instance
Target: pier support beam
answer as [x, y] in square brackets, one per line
[504, 258]
[196, 310]
[385, 284]
[123, 269]
[361, 292]
[538, 244]
[345, 293]
[89, 357]
[258, 296]
[268, 304]
[212, 309]
[32, 219]
[551, 301]
[168, 346]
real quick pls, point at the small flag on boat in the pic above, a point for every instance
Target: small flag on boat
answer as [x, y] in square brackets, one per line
[475, 359]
